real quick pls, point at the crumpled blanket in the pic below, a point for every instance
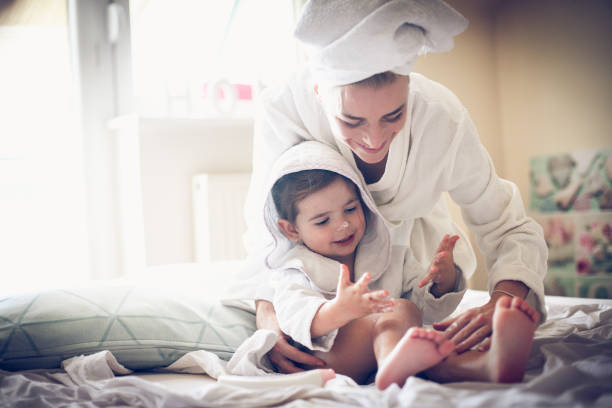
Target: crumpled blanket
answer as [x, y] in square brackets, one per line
[570, 366]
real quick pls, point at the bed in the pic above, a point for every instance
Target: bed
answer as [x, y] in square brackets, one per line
[162, 341]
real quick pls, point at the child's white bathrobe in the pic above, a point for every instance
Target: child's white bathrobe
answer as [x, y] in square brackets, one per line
[303, 279]
[437, 151]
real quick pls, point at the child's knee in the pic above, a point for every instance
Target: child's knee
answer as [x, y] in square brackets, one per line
[405, 314]
[408, 310]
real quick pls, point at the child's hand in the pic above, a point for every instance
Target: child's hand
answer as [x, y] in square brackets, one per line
[354, 300]
[442, 270]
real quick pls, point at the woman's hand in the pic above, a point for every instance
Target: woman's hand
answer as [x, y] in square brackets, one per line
[470, 328]
[283, 355]
[475, 325]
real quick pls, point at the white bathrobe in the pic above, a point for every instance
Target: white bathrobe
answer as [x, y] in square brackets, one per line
[303, 280]
[438, 151]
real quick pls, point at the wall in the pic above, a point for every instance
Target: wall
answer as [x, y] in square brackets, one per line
[43, 235]
[168, 153]
[535, 76]
[555, 70]
[470, 71]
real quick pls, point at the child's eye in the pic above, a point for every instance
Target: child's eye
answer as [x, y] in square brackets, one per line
[394, 118]
[351, 209]
[322, 222]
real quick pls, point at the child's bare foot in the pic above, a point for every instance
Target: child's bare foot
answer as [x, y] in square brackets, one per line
[416, 351]
[514, 323]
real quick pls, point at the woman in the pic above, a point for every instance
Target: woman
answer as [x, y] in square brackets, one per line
[411, 140]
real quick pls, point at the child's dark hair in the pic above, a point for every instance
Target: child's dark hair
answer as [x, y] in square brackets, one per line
[292, 188]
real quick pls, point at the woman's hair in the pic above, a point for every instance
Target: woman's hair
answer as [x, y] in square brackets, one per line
[378, 80]
[331, 94]
[292, 188]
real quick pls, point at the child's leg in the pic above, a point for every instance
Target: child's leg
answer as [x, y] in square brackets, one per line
[514, 323]
[403, 348]
[352, 353]
[391, 341]
[365, 342]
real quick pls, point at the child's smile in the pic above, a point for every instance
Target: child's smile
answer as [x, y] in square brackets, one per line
[346, 241]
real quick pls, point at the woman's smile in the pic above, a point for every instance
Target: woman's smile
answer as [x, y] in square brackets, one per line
[372, 150]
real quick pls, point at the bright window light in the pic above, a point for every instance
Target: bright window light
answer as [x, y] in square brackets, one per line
[42, 211]
[182, 47]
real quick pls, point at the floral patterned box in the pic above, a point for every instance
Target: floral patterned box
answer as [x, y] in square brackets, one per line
[572, 182]
[571, 197]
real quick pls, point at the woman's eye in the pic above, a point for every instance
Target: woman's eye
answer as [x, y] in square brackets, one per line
[322, 222]
[350, 124]
[394, 118]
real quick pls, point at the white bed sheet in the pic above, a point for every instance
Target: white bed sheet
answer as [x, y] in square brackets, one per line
[570, 365]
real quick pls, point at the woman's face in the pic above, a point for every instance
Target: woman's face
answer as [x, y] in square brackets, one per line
[366, 118]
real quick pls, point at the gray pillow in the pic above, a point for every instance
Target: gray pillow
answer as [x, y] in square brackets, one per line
[144, 328]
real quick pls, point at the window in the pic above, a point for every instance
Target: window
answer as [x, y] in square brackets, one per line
[57, 209]
[43, 238]
[185, 52]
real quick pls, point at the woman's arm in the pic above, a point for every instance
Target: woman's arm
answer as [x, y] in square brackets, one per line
[512, 243]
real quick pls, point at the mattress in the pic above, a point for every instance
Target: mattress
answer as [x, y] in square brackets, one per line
[555, 382]
[570, 365]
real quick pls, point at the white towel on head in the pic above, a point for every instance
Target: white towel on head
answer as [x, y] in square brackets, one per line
[352, 40]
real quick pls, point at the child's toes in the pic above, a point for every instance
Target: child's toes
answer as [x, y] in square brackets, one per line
[504, 302]
[416, 333]
[517, 303]
[436, 336]
[524, 306]
[429, 334]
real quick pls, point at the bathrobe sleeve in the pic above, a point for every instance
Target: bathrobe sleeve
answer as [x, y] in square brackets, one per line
[513, 243]
[296, 305]
[279, 124]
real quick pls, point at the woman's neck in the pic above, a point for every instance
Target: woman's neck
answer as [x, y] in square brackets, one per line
[372, 172]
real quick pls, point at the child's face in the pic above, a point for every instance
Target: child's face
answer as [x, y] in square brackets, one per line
[331, 221]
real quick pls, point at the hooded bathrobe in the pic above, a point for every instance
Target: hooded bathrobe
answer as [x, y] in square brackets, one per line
[302, 279]
[438, 150]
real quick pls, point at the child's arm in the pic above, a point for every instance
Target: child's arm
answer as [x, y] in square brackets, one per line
[442, 270]
[352, 301]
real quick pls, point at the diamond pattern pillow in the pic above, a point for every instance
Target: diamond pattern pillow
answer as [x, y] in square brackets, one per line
[143, 327]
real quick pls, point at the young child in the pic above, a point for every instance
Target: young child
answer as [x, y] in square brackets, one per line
[328, 223]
